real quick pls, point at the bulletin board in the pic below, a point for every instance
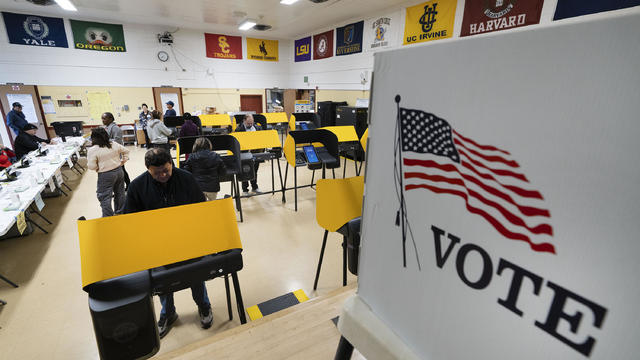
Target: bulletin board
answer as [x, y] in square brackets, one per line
[99, 102]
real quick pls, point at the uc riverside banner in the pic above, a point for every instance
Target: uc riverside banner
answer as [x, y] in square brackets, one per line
[381, 32]
[223, 46]
[349, 39]
[323, 45]
[481, 16]
[303, 49]
[428, 21]
[98, 36]
[35, 30]
[570, 8]
[260, 49]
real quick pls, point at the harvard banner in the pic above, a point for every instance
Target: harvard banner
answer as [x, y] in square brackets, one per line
[349, 39]
[303, 49]
[428, 21]
[223, 46]
[35, 30]
[260, 49]
[570, 8]
[98, 36]
[481, 16]
[323, 45]
[381, 32]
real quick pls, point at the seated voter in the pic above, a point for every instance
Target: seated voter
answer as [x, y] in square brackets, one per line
[189, 128]
[161, 186]
[158, 132]
[206, 166]
[7, 156]
[27, 141]
[249, 125]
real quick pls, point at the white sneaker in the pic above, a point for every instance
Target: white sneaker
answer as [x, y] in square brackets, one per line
[245, 193]
[256, 191]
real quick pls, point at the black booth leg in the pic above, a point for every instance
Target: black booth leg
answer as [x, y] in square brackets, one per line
[2, 302]
[280, 175]
[8, 281]
[238, 202]
[236, 288]
[226, 287]
[34, 224]
[344, 261]
[334, 173]
[295, 187]
[313, 175]
[355, 162]
[284, 183]
[344, 168]
[273, 179]
[345, 349]
[324, 243]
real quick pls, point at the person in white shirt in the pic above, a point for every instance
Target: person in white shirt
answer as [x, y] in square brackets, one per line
[158, 132]
[107, 159]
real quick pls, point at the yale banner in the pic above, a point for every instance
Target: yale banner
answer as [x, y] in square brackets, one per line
[223, 46]
[428, 21]
[98, 36]
[35, 30]
[349, 39]
[303, 49]
[481, 16]
[260, 49]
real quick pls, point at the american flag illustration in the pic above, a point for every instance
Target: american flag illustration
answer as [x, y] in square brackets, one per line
[437, 158]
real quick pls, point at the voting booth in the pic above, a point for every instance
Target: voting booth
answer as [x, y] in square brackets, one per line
[501, 208]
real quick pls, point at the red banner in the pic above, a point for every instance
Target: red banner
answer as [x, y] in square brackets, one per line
[483, 16]
[223, 46]
[323, 45]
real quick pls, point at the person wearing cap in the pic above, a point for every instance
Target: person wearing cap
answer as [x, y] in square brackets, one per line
[170, 110]
[27, 141]
[16, 119]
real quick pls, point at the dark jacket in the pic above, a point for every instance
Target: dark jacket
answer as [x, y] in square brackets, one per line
[16, 121]
[170, 112]
[147, 194]
[207, 167]
[189, 128]
[26, 143]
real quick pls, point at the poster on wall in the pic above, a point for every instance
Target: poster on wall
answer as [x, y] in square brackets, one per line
[349, 39]
[261, 49]
[303, 49]
[98, 36]
[323, 45]
[223, 46]
[47, 105]
[381, 32]
[99, 103]
[431, 20]
[35, 30]
[571, 8]
[482, 16]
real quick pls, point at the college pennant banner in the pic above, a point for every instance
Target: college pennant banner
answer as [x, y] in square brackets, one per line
[381, 32]
[349, 39]
[482, 16]
[223, 46]
[571, 8]
[323, 45]
[431, 20]
[35, 30]
[98, 36]
[303, 49]
[260, 49]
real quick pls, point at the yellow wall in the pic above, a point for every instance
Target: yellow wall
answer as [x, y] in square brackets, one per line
[120, 96]
[349, 96]
[224, 100]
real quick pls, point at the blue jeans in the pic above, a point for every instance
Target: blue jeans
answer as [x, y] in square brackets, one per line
[198, 292]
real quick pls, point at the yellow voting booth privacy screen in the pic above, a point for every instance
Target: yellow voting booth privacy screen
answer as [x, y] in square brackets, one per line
[261, 49]
[431, 20]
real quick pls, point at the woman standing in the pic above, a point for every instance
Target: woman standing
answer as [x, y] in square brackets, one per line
[158, 132]
[107, 158]
[145, 116]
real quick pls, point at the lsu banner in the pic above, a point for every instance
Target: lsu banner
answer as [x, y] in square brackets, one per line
[98, 36]
[481, 16]
[323, 45]
[35, 30]
[349, 39]
[381, 32]
[570, 8]
[223, 46]
[303, 49]
[428, 21]
[260, 49]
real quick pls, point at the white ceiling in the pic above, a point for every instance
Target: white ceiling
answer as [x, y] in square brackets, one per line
[288, 21]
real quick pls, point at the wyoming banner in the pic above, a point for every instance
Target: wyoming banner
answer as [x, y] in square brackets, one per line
[428, 21]
[260, 49]
[98, 36]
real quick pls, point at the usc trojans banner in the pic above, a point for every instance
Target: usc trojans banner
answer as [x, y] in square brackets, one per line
[323, 45]
[481, 16]
[223, 46]
[260, 49]
[431, 20]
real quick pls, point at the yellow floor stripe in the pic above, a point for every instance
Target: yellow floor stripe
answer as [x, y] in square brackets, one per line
[254, 312]
[302, 297]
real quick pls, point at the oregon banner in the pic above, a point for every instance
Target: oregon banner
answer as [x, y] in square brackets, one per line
[428, 21]
[260, 49]
[98, 36]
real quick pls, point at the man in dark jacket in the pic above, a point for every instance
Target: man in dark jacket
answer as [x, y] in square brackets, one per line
[164, 185]
[170, 110]
[249, 125]
[16, 119]
[27, 141]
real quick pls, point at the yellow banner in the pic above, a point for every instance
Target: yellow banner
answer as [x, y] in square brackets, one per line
[428, 21]
[260, 49]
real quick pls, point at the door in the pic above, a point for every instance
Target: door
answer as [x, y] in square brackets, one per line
[251, 103]
[163, 94]
[27, 96]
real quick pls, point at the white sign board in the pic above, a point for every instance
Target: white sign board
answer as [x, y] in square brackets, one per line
[515, 157]
[164, 97]
[26, 100]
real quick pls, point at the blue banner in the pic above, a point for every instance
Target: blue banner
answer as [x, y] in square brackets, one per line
[303, 49]
[571, 8]
[349, 39]
[35, 30]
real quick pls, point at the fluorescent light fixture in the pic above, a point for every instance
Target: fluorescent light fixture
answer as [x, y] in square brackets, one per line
[247, 24]
[287, 2]
[66, 5]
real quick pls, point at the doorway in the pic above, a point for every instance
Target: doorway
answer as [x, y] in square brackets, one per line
[27, 96]
[251, 103]
[163, 94]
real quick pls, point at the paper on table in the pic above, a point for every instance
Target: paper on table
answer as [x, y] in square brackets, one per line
[59, 179]
[21, 222]
[39, 202]
[52, 185]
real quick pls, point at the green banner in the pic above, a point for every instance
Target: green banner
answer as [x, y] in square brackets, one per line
[98, 36]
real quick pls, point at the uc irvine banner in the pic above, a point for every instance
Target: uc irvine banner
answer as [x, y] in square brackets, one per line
[303, 49]
[428, 21]
[98, 36]
[323, 45]
[381, 32]
[260, 49]
[349, 39]
[570, 8]
[35, 30]
[481, 16]
[223, 46]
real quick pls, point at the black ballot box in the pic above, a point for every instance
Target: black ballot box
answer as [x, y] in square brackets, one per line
[349, 115]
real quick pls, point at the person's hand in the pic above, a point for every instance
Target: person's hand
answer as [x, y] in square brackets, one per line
[53, 142]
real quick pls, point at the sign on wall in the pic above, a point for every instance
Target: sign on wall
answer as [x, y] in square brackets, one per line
[482, 16]
[261, 49]
[35, 30]
[381, 32]
[349, 39]
[303, 49]
[570, 8]
[323, 45]
[98, 36]
[223, 46]
[428, 21]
